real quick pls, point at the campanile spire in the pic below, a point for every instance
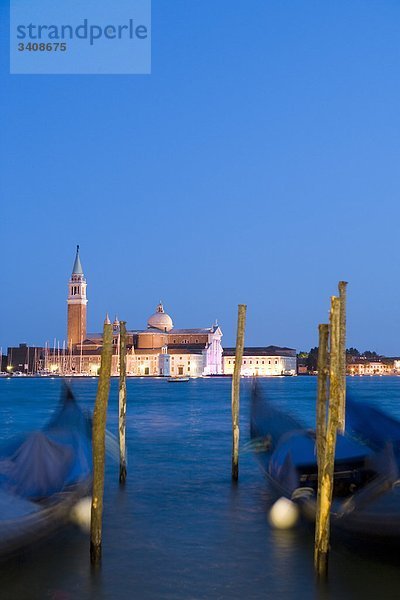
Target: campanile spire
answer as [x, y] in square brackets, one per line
[77, 268]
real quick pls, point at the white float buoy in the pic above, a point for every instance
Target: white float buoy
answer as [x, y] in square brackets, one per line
[81, 513]
[284, 514]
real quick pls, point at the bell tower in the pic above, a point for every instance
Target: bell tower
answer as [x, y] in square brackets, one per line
[77, 302]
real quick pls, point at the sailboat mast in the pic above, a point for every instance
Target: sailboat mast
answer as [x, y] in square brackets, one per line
[63, 358]
[80, 358]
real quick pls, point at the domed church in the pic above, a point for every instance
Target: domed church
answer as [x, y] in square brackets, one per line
[159, 350]
[160, 320]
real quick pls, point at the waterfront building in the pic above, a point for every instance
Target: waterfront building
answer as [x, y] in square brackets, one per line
[371, 367]
[24, 358]
[160, 349]
[155, 351]
[262, 362]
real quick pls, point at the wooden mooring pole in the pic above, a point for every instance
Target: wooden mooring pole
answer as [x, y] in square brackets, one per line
[322, 395]
[122, 402]
[98, 445]
[326, 470]
[322, 389]
[236, 389]
[342, 356]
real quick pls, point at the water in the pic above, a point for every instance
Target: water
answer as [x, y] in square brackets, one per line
[180, 529]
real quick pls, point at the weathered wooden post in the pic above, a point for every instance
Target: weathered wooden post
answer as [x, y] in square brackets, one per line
[122, 402]
[326, 472]
[322, 390]
[342, 356]
[322, 395]
[98, 445]
[236, 389]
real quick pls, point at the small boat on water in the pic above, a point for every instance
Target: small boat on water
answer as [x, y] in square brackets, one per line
[178, 379]
[366, 495]
[42, 477]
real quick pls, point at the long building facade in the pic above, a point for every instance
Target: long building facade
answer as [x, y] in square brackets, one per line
[262, 362]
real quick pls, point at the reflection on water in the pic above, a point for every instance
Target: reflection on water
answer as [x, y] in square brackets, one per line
[180, 529]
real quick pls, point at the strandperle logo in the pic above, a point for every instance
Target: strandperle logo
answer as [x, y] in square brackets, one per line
[69, 36]
[85, 31]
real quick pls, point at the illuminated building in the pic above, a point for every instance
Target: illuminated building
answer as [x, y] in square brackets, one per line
[160, 349]
[262, 362]
[372, 367]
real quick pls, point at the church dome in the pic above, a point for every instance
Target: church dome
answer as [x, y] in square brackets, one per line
[160, 320]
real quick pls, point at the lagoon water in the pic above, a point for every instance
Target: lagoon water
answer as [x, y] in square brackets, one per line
[180, 530]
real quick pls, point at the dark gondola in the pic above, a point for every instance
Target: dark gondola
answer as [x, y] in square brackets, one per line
[43, 475]
[366, 495]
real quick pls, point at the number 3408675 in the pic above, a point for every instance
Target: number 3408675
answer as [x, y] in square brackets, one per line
[49, 47]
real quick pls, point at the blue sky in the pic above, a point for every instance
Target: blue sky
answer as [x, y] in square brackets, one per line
[258, 163]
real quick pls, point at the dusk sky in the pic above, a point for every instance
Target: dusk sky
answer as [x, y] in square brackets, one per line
[258, 163]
